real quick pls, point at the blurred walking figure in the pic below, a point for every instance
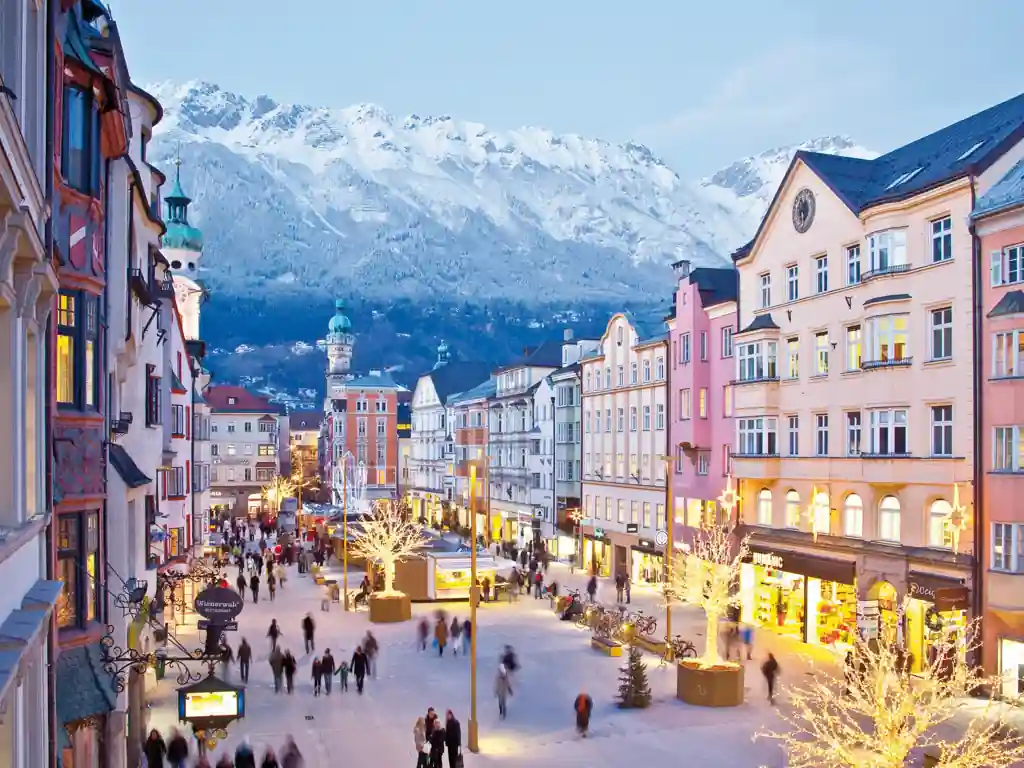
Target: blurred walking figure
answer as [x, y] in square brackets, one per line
[456, 632]
[273, 633]
[318, 674]
[770, 670]
[308, 628]
[502, 690]
[422, 630]
[244, 659]
[583, 705]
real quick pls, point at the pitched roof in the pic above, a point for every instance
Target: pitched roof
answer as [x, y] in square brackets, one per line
[1012, 303]
[716, 285]
[546, 355]
[1005, 194]
[479, 392]
[374, 380]
[127, 468]
[454, 377]
[244, 400]
[968, 146]
[304, 420]
[84, 690]
[762, 323]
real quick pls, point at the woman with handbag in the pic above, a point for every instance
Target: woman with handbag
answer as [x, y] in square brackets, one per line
[419, 738]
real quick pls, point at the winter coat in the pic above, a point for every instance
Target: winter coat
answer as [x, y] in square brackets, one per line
[245, 653]
[274, 631]
[441, 633]
[453, 734]
[292, 758]
[288, 665]
[254, 583]
[370, 646]
[307, 627]
[419, 737]
[327, 664]
[502, 686]
[358, 664]
[318, 671]
[437, 740]
[155, 749]
[270, 762]
[583, 705]
[456, 629]
[244, 758]
[277, 662]
[431, 724]
[467, 629]
[177, 750]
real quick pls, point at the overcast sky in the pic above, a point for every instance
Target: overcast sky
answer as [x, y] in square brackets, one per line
[701, 83]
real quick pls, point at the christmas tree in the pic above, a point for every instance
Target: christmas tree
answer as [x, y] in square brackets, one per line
[634, 690]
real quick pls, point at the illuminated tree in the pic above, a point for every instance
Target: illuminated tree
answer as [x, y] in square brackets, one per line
[277, 490]
[881, 714]
[387, 537]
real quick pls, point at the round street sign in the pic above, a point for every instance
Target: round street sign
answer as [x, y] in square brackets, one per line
[219, 604]
[661, 538]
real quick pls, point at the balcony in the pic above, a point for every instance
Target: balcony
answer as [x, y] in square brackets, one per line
[891, 269]
[875, 365]
[164, 288]
[140, 286]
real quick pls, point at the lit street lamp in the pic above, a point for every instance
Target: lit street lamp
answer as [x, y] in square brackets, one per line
[474, 596]
[576, 515]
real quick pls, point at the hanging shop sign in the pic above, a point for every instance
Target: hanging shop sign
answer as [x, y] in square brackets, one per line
[823, 568]
[646, 545]
[946, 594]
[219, 604]
[632, 527]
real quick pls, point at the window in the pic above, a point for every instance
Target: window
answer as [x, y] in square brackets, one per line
[618, 335]
[361, 426]
[821, 274]
[853, 348]
[620, 420]
[659, 415]
[821, 511]
[647, 418]
[685, 344]
[888, 338]
[727, 401]
[889, 519]
[821, 434]
[1008, 354]
[247, 426]
[942, 430]
[792, 282]
[597, 420]
[684, 404]
[853, 516]
[703, 403]
[821, 354]
[659, 515]
[607, 377]
[231, 425]
[178, 420]
[853, 432]
[80, 153]
[381, 456]
[888, 250]
[153, 395]
[620, 511]
[942, 239]
[91, 357]
[940, 529]
[703, 345]
[659, 363]
[1006, 267]
[647, 371]
[382, 427]
[231, 449]
[620, 375]
[267, 449]
[757, 363]
[632, 373]
[792, 509]
[632, 418]
[764, 507]
[853, 265]
[646, 521]
[1008, 547]
[793, 435]
[67, 330]
[1008, 449]
[942, 333]
[78, 568]
[703, 462]
[766, 290]
[727, 341]
[793, 358]
[889, 433]
[757, 436]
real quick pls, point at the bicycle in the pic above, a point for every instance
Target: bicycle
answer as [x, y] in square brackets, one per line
[645, 625]
[681, 648]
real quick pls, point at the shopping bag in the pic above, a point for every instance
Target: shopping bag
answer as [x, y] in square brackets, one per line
[458, 761]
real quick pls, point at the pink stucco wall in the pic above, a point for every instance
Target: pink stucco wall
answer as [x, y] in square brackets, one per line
[713, 433]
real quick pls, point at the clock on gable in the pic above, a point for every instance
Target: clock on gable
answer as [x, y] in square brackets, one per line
[803, 210]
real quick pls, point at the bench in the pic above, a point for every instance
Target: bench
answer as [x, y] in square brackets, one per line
[606, 646]
[657, 647]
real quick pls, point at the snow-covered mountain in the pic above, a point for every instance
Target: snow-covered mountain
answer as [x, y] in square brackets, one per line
[356, 200]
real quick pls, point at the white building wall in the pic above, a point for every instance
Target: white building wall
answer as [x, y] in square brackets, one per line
[541, 458]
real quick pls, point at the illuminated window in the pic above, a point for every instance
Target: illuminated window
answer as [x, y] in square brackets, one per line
[67, 323]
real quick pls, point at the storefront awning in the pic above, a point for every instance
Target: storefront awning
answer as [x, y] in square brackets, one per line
[84, 690]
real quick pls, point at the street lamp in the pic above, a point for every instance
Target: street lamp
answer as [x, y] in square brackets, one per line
[576, 515]
[344, 533]
[670, 527]
[473, 742]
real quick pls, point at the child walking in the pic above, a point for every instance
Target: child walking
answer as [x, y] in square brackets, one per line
[343, 675]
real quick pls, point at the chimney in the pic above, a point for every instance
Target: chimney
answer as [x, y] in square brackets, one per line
[567, 335]
[681, 269]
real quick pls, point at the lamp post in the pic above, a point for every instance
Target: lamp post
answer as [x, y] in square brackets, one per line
[473, 742]
[670, 550]
[576, 515]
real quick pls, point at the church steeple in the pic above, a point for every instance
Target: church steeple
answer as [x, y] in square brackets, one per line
[180, 234]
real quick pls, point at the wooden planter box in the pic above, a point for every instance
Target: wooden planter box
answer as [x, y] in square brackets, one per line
[714, 687]
[657, 647]
[560, 604]
[605, 646]
[390, 609]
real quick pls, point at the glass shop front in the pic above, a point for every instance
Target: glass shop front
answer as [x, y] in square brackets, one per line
[648, 566]
[597, 553]
[809, 598]
[936, 612]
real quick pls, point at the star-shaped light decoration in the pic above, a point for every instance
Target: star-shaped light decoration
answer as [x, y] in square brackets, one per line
[809, 514]
[576, 515]
[957, 519]
[729, 499]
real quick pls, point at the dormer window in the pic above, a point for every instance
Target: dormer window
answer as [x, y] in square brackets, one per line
[903, 178]
[971, 150]
[232, 401]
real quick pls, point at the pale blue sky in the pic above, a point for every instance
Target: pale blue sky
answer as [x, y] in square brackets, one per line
[701, 83]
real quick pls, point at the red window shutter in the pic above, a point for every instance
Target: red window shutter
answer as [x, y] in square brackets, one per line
[188, 423]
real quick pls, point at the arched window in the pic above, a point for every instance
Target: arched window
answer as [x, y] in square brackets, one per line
[618, 335]
[792, 509]
[940, 533]
[853, 516]
[821, 521]
[889, 519]
[764, 507]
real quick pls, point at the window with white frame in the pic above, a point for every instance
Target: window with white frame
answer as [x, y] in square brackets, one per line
[942, 333]
[727, 401]
[703, 345]
[758, 361]
[608, 377]
[821, 354]
[647, 371]
[684, 404]
[889, 519]
[888, 338]
[632, 418]
[821, 513]
[1007, 449]
[793, 435]
[853, 265]
[620, 375]
[766, 290]
[821, 434]
[853, 348]
[703, 462]
[853, 433]
[607, 420]
[1008, 354]
[942, 430]
[764, 507]
[792, 282]
[620, 420]
[821, 274]
[1006, 267]
[853, 516]
[702, 403]
[632, 373]
[888, 250]
[793, 358]
[1008, 547]
[757, 436]
[940, 528]
[684, 342]
[659, 365]
[792, 509]
[889, 432]
[647, 418]
[727, 341]
[942, 239]
[659, 416]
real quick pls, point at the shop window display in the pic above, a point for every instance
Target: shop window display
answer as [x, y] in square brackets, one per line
[779, 601]
[833, 612]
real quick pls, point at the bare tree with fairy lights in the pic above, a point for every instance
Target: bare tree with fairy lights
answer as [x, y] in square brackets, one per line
[386, 537]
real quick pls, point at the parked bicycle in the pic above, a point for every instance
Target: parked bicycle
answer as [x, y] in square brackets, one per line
[681, 649]
[645, 625]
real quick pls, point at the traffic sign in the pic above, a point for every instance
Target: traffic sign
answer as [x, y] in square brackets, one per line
[661, 538]
[229, 626]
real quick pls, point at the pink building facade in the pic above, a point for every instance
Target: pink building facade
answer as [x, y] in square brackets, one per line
[999, 226]
[701, 428]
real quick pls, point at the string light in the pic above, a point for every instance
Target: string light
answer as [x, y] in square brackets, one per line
[387, 537]
[957, 519]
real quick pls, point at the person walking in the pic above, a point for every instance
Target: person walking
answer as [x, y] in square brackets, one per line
[343, 675]
[254, 585]
[747, 634]
[372, 651]
[225, 761]
[327, 668]
[419, 740]
[270, 759]
[290, 755]
[154, 749]
[244, 659]
[620, 584]
[422, 630]
[437, 744]
[467, 636]
[538, 585]
[274, 633]
[456, 632]
[271, 583]
[627, 582]
[177, 750]
[241, 583]
[308, 628]
[244, 757]
[281, 576]
[359, 665]
[770, 670]
[487, 589]
[583, 705]
[440, 636]
[277, 667]
[227, 657]
[502, 690]
[318, 675]
[290, 666]
[453, 740]
[592, 587]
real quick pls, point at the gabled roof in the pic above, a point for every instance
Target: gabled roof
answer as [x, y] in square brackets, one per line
[454, 377]
[1012, 303]
[1005, 194]
[546, 355]
[304, 420]
[716, 285]
[245, 401]
[479, 392]
[374, 380]
[969, 146]
[761, 323]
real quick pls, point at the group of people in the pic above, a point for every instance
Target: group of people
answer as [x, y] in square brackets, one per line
[458, 633]
[283, 664]
[174, 753]
[432, 738]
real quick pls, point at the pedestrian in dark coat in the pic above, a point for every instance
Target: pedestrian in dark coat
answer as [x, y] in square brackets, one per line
[241, 583]
[154, 749]
[456, 633]
[318, 674]
[430, 723]
[437, 743]
[359, 666]
[244, 757]
[177, 750]
[290, 756]
[308, 627]
[453, 739]
[770, 670]
[277, 668]
[269, 760]
[254, 585]
[289, 667]
[371, 649]
[583, 705]
[244, 659]
[271, 583]
[273, 633]
[327, 668]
